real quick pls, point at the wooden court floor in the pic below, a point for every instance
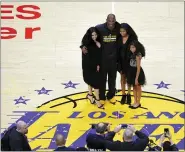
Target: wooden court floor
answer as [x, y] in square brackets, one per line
[41, 77]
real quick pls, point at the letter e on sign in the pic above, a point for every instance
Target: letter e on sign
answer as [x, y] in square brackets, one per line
[8, 33]
[5, 11]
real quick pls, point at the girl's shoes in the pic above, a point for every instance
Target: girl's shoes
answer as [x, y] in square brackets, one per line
[129, 99]
[126, 99]
[133, 107]
[123, 99]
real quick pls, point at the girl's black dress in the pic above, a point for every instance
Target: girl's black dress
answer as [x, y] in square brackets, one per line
[132, 70]
[90, 61]
[123, 49]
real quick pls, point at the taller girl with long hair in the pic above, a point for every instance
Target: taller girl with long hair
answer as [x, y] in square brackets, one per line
[127, 35]
[91, 65]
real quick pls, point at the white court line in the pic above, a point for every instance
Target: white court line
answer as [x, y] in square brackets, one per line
[113, 7]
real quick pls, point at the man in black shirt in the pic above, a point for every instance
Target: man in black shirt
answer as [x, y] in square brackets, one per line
[109, 32]
[60, 142]
[128, 144]
[95, 142]
[15, 139]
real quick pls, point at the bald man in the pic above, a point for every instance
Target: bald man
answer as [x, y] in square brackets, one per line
[128, 144]
[17, 137]
[60, 142]
[109, 32]
[95, 142]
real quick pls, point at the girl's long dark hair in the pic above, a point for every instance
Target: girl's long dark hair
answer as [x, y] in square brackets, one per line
[130, 31]
[139, 48]
[88, 36]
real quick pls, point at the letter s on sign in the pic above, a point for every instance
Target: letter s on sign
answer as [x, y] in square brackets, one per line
[25, 9]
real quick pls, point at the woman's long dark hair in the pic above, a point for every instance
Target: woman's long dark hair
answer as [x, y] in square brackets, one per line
[88, 36]
[139, 47]
[130, 31]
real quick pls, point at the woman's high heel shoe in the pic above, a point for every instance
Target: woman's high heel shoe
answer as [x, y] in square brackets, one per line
[92, 100]
[98, 103]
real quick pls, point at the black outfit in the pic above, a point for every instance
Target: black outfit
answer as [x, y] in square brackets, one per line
[132, 70]
[123, 49]
[96, 142]
[5, 146]
[90, 61]
[137, 145]
[17, 141]
[172, 148]
[109, 58]
[64, 148]
[81, 149]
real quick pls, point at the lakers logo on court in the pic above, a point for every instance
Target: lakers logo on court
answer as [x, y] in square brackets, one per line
[72, 115]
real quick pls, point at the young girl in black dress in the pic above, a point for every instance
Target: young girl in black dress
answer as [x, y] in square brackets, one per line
[91, 65]
[135, 73]
[127, 35]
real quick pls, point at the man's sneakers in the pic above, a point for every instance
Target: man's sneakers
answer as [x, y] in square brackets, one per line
[102, 102]
[113, 101]
[126, 99]
[111, 98]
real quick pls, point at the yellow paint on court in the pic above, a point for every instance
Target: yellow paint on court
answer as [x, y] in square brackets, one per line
[80, 124]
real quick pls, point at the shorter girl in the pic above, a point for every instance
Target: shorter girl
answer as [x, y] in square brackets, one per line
[135, 74]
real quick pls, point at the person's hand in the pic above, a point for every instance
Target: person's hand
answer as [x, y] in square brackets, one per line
[117, 129]
[136, 82]
[132, 128]
[161, 140]
[169, 136]
[84, 50]
[98, 68]
[108, 127]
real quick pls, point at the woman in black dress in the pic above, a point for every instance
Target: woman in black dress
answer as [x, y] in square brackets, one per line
[135, 73]
[127, 35]
[91, 65]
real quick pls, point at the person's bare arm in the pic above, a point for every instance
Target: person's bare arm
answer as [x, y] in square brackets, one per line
[138, 61]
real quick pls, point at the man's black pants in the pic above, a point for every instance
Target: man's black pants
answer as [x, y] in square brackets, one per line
[110, 69]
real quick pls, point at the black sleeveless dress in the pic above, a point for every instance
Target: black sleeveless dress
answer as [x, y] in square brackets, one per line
[132, 70]
[90, 61]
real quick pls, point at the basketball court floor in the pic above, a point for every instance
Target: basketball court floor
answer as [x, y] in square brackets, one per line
[41, 76]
